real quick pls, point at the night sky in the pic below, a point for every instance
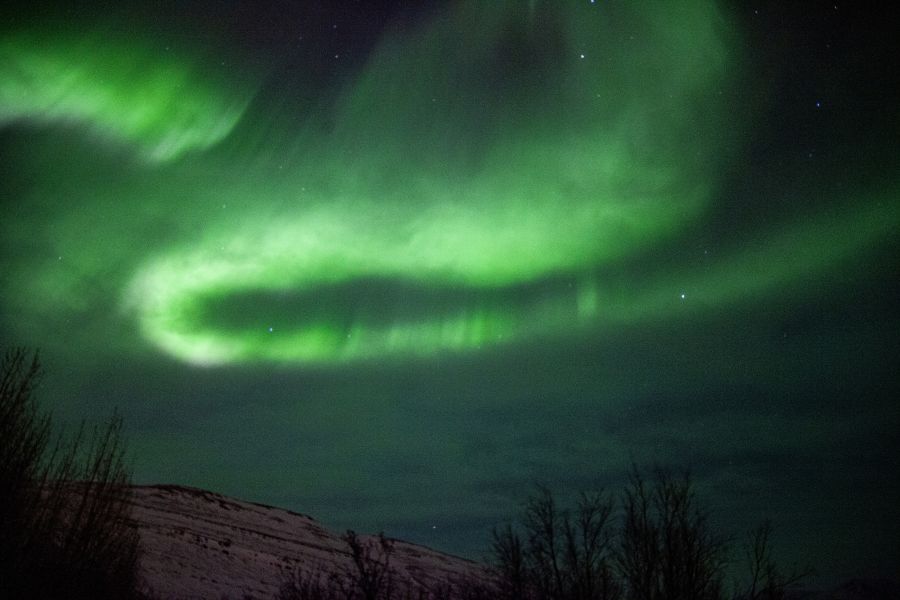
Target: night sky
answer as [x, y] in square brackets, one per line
[390, 264]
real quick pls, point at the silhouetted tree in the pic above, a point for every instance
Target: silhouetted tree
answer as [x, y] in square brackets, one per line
[562, 555]
[667, 549]
[663, 549]
[65, 530]
[767, 580]
[513, 578]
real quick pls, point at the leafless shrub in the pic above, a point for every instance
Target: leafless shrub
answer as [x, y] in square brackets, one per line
[65, 530]
[370, 576]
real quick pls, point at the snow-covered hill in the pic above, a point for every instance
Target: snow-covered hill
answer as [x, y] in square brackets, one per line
[198, 544]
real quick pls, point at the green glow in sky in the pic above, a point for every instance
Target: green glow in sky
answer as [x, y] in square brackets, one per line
[463, 195]
[344, 257]
[500, 162]
[122, 89]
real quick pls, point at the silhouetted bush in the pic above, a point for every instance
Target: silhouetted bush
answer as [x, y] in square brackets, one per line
[300, 585]
[65, 530]
[374, 577]
[370, 576]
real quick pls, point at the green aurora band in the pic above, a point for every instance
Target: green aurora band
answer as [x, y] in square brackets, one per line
[118, 88]
[482, 180]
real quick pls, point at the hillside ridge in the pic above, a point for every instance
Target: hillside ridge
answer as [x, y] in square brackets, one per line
[202, 544]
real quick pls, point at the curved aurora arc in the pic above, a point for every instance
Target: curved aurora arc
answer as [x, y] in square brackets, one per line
[465, 194]
[551, 194]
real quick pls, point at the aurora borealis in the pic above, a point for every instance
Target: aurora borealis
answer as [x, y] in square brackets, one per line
[391, 265]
